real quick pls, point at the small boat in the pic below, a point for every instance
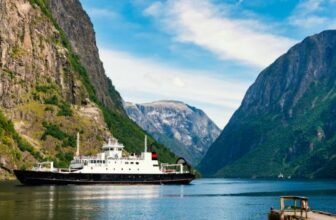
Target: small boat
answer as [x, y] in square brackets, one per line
[109, 167]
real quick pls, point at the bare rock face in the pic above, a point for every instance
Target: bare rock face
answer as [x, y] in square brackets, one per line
[186, 130]
[31, 54]
[75, 22]
[286, 123]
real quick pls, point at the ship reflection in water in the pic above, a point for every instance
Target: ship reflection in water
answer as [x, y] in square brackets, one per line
[203, 199]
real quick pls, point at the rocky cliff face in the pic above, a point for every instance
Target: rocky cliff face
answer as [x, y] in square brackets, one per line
[286, 120]
[186, 130]
[52, 85]
[79, 30]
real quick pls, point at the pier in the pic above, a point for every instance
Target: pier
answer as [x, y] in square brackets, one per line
[296, 207]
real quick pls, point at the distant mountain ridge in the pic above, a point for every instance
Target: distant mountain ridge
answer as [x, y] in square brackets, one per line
[287, 120]
[186, 130]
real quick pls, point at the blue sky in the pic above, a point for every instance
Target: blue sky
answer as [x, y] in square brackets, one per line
[202, 52]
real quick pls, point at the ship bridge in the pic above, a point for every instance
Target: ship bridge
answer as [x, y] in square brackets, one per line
[113, 149]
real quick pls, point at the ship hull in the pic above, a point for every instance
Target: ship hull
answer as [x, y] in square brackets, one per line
[56, 178]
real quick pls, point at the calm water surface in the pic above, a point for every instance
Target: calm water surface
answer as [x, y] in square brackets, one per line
[203, 199]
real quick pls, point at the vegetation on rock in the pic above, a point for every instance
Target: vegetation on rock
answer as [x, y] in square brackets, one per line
[286, 123]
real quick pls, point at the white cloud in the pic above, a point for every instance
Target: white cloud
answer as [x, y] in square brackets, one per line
[314, 15]
[102, 13]
[154, 9]
[203, 24]
[140, 80]
[179, 82]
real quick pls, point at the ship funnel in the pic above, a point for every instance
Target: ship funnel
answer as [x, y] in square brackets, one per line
[77, 152]
[145, 143]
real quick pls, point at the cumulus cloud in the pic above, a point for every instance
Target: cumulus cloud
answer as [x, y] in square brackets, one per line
[314, 15]
[210, 27]
[141, 80]
[102, 13]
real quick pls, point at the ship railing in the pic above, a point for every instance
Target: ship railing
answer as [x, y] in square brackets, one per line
[172, 168]
[137, 157]
[44, 166]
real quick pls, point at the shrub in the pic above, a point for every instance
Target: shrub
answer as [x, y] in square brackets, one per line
[43, 88]
[56, 132]
[65, 109]
[53, 100]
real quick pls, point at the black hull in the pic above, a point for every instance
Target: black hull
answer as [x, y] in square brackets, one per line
[51, 178]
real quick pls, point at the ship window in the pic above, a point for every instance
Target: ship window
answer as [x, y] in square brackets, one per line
[103, 161]
[132, 162]
[126, 162]
[129, 168]
[155, 165]
[122, 168]
[137, 163]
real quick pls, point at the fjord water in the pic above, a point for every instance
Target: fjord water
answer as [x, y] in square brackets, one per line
[203, 199]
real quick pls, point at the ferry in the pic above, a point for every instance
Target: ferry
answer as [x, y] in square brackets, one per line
[109, 167]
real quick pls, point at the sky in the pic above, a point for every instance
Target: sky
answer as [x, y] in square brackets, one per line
[205, 53]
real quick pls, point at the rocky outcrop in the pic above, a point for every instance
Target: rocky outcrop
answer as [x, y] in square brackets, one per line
[31, 53]
[286, 120]
[79, 30]
[186, 130]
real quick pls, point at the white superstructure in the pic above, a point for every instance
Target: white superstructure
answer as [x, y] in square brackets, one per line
[111, 160]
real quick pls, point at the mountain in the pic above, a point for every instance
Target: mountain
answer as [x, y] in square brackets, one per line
[53, 85]
[286, 122]
[186, 130]
[70, 16]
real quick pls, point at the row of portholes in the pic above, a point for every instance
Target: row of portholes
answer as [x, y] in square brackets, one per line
[137, 163]
[121, 169]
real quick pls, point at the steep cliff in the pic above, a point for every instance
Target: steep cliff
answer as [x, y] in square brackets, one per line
[47, 95]
[77, 25]
[286, 122]
[186, 130]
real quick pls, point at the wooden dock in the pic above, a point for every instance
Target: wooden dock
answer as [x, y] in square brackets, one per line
[299, 209]
[311, 215]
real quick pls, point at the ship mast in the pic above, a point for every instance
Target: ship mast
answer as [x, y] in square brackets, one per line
[77, 152]
[145, 143]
